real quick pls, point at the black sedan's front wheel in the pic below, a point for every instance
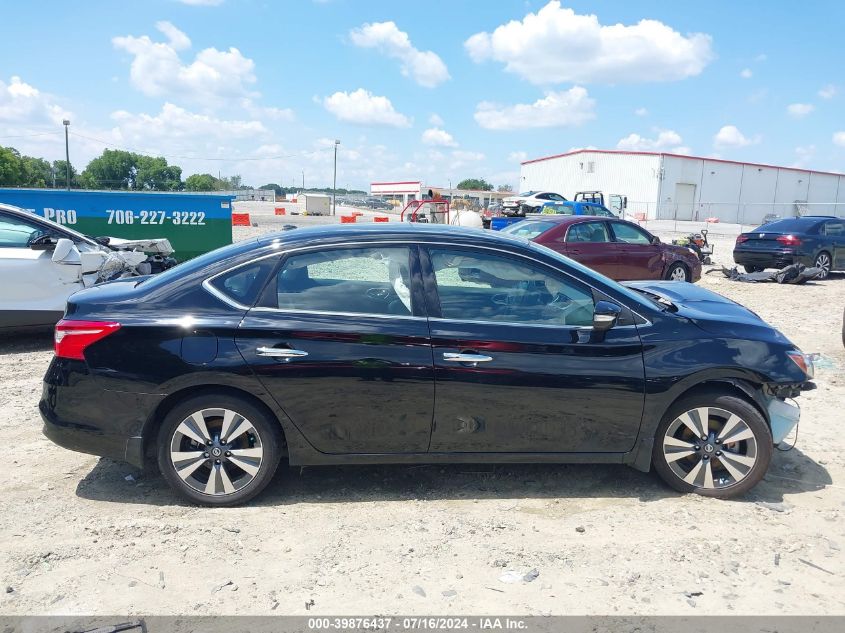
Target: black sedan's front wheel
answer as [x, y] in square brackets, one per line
[823, 261]
[712, 445]
[218, 450]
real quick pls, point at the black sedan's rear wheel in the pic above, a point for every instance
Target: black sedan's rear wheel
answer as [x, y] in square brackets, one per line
[712, 445]
[218, 450]
[823, 261]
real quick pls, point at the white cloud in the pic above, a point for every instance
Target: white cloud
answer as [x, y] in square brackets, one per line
[641, 112]
[557, 45]
[424, 67]
[202, 3]
[517, 157]
[804, 156]
[828, 92]
[364, 108]
[746, 73]
[839, 139]
[799, 110]
[158, 71]
[761, 57]
[438, 137]
[665, 141]
[22, 103]
[174, 122]
[267, 112]
[436, 120]
[730, 136]
[557, 109]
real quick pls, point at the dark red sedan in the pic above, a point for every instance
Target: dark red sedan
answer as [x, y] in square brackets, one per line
[617, 249]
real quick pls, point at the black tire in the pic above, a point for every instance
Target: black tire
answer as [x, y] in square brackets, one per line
[731, 404]
[753, 269]
[265, 432]
[674, 271]
[825, 262]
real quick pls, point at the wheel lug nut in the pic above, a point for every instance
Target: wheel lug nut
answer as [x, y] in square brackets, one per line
[703, 438]
[208, 442]
[718, 453]
[216, 461]
[706, 457]
[228, 454]
[205, 455]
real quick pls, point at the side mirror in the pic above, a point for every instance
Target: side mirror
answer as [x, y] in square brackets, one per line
[66, 252]
[605, 315]
[655, 239]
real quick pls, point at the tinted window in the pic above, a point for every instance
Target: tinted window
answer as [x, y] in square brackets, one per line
[834, 228]
[588, 232]
[478, 286]
[361, 280]
[789, 225]
[244, 284]
[529, 230]
[556, 196]
[16, 232]
[630, 234]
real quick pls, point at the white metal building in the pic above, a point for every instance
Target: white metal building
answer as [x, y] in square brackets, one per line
[673, 186]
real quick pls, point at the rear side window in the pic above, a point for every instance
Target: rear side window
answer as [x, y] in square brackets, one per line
[366, 280]
[243, 285]
[588, 232]
[834, 229]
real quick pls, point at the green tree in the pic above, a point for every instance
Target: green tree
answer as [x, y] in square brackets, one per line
[504, 189]
[154, 174]
[60, 173]
[10, 167]
[201, 182]
[114, 169]
[279, 191]
[477, 184]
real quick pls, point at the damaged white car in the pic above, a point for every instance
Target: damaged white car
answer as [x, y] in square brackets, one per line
[42, 263]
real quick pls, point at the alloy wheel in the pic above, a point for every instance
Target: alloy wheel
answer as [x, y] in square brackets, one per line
[216, 451]
[823, 262]
[710, 448]
[678, 273]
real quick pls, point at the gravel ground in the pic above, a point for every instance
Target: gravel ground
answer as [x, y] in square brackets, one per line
[83, 535]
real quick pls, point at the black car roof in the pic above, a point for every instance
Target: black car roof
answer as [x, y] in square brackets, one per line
[413, 231]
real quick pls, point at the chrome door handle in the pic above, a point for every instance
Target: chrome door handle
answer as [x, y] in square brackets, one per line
[466, 358]
[280, 352]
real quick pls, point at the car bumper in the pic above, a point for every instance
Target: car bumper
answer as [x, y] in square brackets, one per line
[770, 259]
[79, 414]
[783, 418]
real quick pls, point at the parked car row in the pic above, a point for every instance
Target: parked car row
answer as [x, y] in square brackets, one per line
[365, 202]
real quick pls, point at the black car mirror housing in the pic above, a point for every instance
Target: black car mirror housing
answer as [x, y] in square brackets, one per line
[605, 315]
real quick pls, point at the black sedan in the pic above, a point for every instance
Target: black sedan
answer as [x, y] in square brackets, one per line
[810, 240]
[415, 343]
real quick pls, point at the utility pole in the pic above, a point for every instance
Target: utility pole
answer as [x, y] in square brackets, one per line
[334, 179]
[66, 123]
[303, 181]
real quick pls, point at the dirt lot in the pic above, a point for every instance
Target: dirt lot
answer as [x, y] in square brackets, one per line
[83, 535]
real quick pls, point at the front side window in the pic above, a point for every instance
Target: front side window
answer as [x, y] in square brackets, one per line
[630, 234]
[16, 232]
[588, 232]
[476, 286]
[367, 280]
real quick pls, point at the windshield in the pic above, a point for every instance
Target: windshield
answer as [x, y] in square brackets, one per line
[525, 194]
[529, 229]
[789, 225]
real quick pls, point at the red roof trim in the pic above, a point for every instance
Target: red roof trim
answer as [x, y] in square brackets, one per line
[712, 160]
[407, 182]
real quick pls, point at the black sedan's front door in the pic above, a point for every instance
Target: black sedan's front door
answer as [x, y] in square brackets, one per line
[518, 367]
[341, 343]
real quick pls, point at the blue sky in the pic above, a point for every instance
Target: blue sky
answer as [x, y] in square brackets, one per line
[430, 90]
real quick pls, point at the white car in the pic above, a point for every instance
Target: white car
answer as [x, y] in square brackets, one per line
[529, 202]
[42, 263]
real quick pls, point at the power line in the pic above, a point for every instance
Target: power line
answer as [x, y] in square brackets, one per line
[180, 157]
[31, 135]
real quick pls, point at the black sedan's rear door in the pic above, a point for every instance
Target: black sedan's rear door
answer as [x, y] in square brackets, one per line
[340, 340]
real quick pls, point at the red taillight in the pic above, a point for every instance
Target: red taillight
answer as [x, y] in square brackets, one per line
[72, 337]
[789, 240]
[741, 238]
